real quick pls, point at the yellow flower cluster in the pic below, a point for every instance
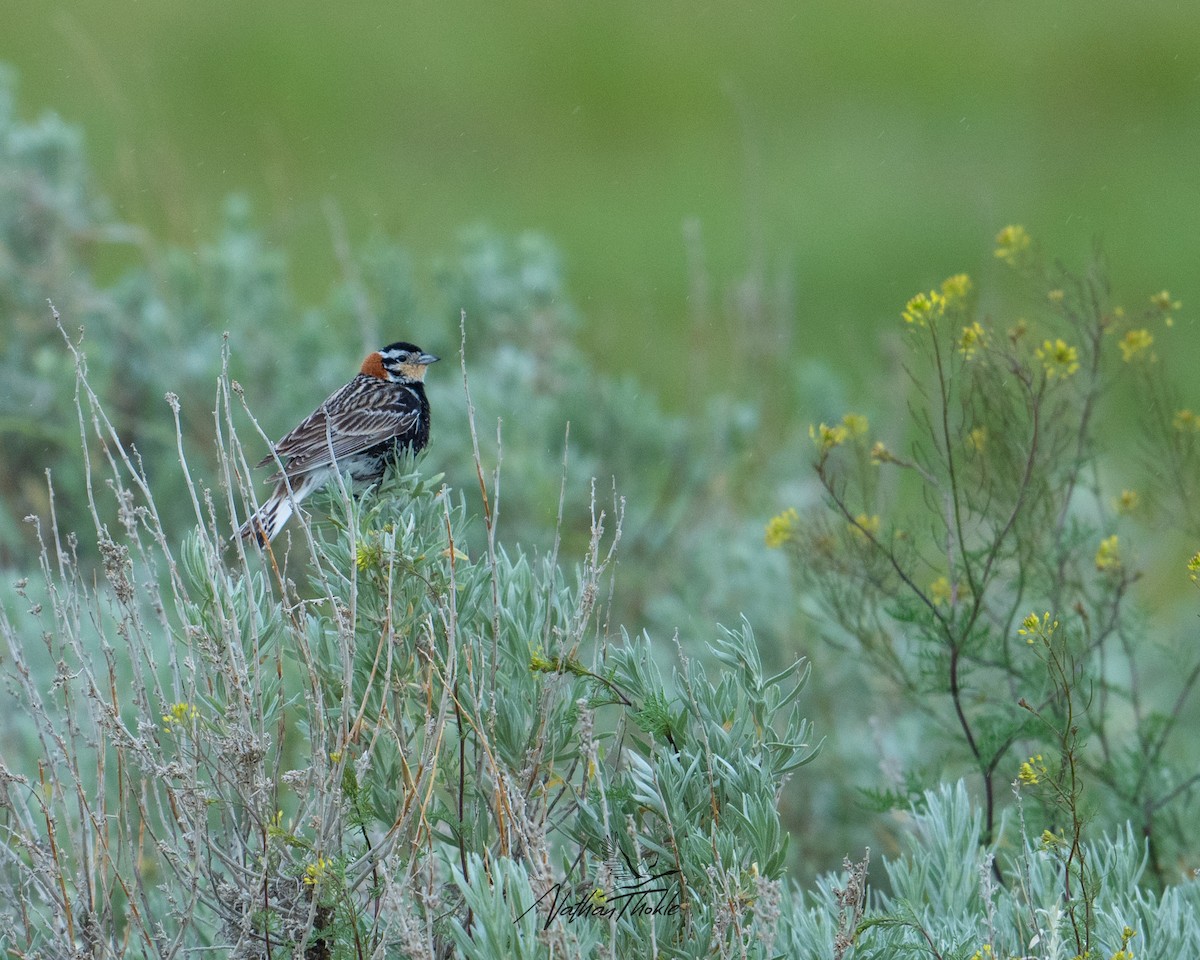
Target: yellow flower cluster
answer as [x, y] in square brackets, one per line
[178, 715]
[971, 340]
[827, 437]
[1124, 953]
[1013, 245]
[1033, 627]
[315, 872]
[782, 527]
[1058, 358]
[1194, 568]
[939, 591]
[864, 525]
[1032, 771]
[1135, 343]
[1166, 306]
[926, 307]
[881, 454]
[983, 953]
[1185, 420]
[853, 426]
[856, 424]
[1128, 501]
[977, 439]
[956, 289]
[1108, 556]
[369, 555]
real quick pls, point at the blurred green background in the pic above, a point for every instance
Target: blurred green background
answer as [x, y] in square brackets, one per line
[830, 157]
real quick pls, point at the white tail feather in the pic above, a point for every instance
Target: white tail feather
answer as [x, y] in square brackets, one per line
[265, 525]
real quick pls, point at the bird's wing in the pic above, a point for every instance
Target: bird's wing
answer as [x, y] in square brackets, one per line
[356, 418]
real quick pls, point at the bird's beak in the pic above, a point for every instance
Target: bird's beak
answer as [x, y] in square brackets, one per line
[428, 358]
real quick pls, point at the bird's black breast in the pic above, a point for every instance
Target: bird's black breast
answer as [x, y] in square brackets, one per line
[410, 398]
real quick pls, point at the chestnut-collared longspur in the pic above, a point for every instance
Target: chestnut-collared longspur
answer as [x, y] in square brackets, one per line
[378, 415]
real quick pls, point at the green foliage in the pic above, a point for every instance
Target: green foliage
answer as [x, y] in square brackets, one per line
[945, 902]
[429, 746]
[426, 741]
[930, 561]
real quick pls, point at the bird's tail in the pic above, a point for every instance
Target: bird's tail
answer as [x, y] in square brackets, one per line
[265, 525]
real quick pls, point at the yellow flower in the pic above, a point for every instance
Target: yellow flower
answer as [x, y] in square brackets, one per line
[1124, 953]
[939, 591]
[1055, 296]
[881, 454]
[956, 289]
[1108, 556]
[1194, 568]
[983, 953]
[315, 872]
[923, 307]
[827, 437]
[864, 525]
[1185, 420]
[368, 555]
[782, 527]
[917, 309]
[178, 715]
[1012, 245]
[1034, 627]
[1059, 358]
[1050, 840]
[971, 340]
[1135, 343]
[1032, 770]
[856, 424]
[977, 439]
[1128, 501]
[1166, 306]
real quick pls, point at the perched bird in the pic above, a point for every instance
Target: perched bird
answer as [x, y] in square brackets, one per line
[378, 415]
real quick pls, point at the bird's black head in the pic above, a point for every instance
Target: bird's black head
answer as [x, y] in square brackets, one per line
[400, 361]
